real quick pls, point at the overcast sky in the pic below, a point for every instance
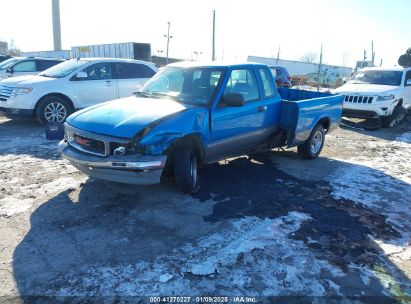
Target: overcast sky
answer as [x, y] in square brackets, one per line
[257, 27]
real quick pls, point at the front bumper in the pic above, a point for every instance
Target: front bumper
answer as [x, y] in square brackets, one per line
[367, 110]
[135, 169]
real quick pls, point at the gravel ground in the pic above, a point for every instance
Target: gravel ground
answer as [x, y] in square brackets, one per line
[271, 226]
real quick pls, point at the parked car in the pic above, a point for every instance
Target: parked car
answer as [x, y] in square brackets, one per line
[281, 76]
[191, 114]
[383, 93]
[53, 94]
[21, 66]
[4, 57]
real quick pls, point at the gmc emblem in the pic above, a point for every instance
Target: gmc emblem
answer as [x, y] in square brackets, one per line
[82, 141]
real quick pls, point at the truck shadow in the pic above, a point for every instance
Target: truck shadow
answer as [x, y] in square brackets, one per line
[109, 224]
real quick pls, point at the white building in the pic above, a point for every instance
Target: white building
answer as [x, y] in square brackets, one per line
[328, 74]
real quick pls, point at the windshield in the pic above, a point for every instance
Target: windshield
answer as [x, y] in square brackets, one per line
[7, 63]
[187, 85]
[392, 78]
[63, 69]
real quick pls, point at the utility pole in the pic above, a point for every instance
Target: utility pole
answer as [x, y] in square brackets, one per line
[168, 40]
[319, 68]
[55, 7]
[213, 46]
[278, 54]
[372, 53]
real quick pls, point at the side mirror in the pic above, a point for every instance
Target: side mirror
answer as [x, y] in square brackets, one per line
[408, 83]
[233, 100]
[81, 75]
[9, 70]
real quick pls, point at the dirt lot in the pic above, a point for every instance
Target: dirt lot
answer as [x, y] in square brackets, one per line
[271, 226]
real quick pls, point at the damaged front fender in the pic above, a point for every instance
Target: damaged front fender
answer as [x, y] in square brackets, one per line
[191, 122]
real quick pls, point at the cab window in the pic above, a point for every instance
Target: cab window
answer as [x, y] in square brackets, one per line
[243, 81]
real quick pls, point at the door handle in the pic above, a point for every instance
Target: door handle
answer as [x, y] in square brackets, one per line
[108, 83]
[261, 108]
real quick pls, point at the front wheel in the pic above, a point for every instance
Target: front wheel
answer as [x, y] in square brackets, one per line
[53, 109]
[397, 115]
[312, 148]
[185, 169]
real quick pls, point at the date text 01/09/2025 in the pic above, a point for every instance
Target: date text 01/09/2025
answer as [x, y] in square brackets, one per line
[202, 299]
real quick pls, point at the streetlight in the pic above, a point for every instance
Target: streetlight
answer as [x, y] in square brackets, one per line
[168, 40]
[197, 53]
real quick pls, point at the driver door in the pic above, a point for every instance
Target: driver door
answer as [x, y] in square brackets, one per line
[237, 128]
[96, 86]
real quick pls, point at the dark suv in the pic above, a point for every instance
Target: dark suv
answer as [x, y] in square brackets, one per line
[281, 76]
[4, 57]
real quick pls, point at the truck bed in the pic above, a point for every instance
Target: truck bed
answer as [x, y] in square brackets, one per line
[301, 110]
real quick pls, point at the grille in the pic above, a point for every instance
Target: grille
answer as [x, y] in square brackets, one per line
[90, 144]
[5, 93]
[358, 99]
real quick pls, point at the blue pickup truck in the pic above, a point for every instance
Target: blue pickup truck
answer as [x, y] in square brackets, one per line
[190, 114]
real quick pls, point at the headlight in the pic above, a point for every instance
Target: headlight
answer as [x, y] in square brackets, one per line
[68, 134]
[22, 91]
[384, 98]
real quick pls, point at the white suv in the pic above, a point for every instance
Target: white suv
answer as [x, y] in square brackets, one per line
[54, 94]
[20, 66]
[383, 93]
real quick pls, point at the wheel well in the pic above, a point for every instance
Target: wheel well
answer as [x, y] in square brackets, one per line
[399, 104]
[54, 94]
[325, 122]
[188, 140]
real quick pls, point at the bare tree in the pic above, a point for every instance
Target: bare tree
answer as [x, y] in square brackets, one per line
[309, 57]
[11, 49]
[14, 52]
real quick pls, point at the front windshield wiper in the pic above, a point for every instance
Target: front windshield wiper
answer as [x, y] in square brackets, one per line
[141, 93]
[357, 81]
[164, 95]
[45, 75]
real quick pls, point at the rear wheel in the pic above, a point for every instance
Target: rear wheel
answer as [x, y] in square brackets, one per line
[185, 169]
[53, 109]
[314, 144]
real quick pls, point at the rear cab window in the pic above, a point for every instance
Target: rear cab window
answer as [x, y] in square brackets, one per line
[269, 89]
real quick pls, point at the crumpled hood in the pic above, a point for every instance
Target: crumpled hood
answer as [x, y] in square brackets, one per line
[26, 80]
[370, 89]
[123, 117]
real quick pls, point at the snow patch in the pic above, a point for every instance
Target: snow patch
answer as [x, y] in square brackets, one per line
[11, 206]
[254, 256]
[381, 182]
[165, 278]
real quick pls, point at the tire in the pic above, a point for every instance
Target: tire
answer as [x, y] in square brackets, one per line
[312, 148]
[185, 169]
[53, 109]
[397, 115]
[405, 60]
